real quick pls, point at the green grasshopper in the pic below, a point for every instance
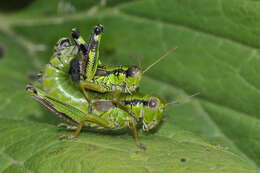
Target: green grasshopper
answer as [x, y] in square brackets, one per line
[63, 97]
[102, 78]
[116, 79]
[104, 113]
[105, 78]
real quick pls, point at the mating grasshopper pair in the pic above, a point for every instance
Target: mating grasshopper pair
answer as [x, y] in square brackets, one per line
[86, 93]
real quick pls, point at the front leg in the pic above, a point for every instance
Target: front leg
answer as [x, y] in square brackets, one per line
[85, 84]
[132, 125]
[116, 101]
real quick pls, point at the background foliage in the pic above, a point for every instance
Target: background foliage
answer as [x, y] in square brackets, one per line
[217, 56]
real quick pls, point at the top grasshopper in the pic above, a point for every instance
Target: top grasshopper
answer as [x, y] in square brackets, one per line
[93, 76]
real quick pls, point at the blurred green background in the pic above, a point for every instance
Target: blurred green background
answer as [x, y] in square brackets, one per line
[218, 55]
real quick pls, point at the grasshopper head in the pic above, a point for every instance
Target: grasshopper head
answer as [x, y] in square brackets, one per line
[133, 77]
[62, 44]
[63, 49]
[31, 90]
[35, 92]
[153, 113]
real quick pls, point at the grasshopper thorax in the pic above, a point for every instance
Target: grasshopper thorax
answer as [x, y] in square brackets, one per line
[123, 78]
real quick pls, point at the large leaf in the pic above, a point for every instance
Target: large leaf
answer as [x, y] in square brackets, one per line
[217, 56]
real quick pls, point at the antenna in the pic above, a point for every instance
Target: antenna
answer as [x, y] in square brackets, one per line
[158, 60]
[177, 102]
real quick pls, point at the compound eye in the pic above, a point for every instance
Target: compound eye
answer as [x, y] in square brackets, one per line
[152, 103]
[98, 29]
[64, 43]
[31, 89]
[132, 71]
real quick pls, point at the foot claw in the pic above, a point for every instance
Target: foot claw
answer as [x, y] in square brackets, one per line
[141, 146]
[66, 137]
[66, 126]
[62, 125]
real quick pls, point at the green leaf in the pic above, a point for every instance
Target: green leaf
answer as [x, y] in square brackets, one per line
[217, 56]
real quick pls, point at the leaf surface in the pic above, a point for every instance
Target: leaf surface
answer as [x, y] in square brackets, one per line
[217, 56]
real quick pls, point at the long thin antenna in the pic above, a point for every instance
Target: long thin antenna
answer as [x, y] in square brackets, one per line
[158, 60]
[173, 102]
[177, 102]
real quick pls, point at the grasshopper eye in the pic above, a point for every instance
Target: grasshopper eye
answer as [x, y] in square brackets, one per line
[152, 103]
[98, 29]
[132, 71]
[64, 43]
[29, 88]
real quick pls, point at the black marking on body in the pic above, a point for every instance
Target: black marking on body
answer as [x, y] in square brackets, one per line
[35, 76]
[58, 54]
[75, 33]
[65, 43]
[53, 66]
[74, 70]
[134, 102]
[99, 29]
[130, 72]
[85, 49]
[94, 49]
[116, 72]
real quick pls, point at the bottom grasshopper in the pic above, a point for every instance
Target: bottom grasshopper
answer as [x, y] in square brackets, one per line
[104, 114]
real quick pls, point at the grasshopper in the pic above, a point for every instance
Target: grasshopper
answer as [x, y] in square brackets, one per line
[98, 77]
[104, 113]
[63, 97]
[104, 78]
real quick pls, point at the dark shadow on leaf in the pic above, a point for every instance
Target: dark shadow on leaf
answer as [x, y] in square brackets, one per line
[107, 51]
[2, 52]
[13, 5]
